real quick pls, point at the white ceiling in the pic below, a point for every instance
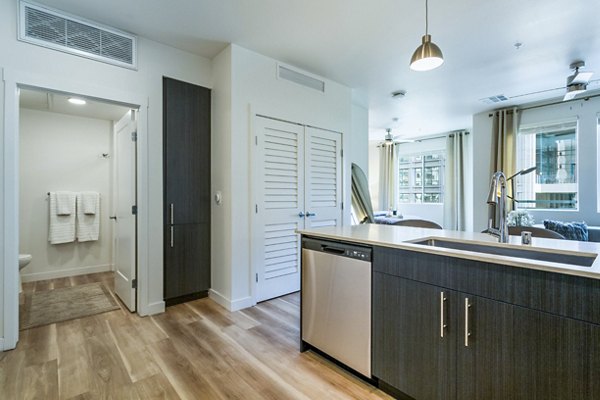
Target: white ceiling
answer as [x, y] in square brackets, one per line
[367, 45]
[58, 103]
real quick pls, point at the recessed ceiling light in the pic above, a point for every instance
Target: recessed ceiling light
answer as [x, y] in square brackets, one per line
[76, 100]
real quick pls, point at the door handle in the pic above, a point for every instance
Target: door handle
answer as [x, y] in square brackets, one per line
[309, 214]
[113, 217]
[301, 214]
[172, 208]
[467, 331]
[171, 235]
[442, 314]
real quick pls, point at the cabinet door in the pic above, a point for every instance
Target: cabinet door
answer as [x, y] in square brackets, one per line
[187, 260]
[518, 353]
[186, 152]
[409, 352]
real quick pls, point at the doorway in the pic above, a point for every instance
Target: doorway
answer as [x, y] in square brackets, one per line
[77, 180]
[14, 82]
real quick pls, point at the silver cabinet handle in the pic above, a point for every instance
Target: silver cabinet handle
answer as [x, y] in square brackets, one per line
[301, 214]
[442, 314]
[467, 331]
[309, 214]
[113, 217]
[171, 235]
[172, 215]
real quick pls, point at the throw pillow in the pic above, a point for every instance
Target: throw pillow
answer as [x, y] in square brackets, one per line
[570, 230]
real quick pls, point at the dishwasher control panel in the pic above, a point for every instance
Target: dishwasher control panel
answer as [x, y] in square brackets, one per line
[340, 249]
[359, 254]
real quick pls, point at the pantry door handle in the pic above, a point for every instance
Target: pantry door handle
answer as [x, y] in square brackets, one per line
[171, 235]
[442, 312]
[301, 214]
[467, 331]
[172, 209]
[309, 214]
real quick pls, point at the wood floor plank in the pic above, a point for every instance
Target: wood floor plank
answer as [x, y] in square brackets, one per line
[156, 387]
[40, 381]
[134, 355]
[178, 369]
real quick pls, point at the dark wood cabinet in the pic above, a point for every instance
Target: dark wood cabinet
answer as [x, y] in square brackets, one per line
[187, 195]
[409, 352]
[183, 262]
[514, 333]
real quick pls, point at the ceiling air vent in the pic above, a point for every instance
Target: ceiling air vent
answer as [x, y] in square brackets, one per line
[300, 78]
[494, 99]
[53, 29]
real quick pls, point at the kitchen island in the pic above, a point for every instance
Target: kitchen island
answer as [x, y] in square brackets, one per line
[450, 323]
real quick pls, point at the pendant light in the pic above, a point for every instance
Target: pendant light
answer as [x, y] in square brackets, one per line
[427, 56]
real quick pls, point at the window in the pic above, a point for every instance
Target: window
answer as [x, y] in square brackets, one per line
[552, 149]
[421, 177]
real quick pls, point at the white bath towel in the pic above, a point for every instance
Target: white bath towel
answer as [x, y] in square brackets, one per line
[90, 202]
[62, 227]
[88, 226]
[65, 203]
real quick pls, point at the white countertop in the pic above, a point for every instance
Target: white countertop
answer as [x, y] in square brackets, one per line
[400, 237]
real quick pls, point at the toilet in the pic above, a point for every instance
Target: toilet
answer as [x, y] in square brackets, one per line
[24, 260]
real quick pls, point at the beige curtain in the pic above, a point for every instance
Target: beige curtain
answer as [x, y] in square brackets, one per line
[454, 185]
[504, 148]
[388, 176]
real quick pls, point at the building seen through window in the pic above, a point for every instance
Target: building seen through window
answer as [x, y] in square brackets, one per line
[552, 149]
[421, 177]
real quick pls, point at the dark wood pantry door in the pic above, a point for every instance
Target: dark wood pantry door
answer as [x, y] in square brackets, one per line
[187, 196]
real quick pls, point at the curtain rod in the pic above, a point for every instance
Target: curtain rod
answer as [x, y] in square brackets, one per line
[586, 98]
[438, 136]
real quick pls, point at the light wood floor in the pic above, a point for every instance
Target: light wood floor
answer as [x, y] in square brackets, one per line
[196, 350]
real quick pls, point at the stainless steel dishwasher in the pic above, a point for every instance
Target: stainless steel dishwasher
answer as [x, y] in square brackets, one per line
[336, 301]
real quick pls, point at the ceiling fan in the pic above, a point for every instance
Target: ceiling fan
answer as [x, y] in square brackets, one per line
[390, 140]
[577, 83]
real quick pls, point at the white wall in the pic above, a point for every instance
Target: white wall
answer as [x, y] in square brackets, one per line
[255, 89]
[481, 171]
[109, 82]
[373, 173]
[62, 152]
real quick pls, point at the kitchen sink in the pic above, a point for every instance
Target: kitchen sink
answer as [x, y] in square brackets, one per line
[548, 255]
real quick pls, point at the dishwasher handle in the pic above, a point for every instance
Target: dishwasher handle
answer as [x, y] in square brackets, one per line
[332, 249]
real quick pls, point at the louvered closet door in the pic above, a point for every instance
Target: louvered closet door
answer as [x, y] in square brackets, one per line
[323, 166]
[279, 195]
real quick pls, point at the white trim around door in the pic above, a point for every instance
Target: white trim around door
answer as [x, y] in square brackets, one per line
[13, 80]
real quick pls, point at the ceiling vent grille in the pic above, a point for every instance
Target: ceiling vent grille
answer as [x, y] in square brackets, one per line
[300, 78]
[53, 29]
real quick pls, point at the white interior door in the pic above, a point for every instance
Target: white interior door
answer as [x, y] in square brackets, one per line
[323, 178]
[278, 188]
[297, 183]
[124, 199]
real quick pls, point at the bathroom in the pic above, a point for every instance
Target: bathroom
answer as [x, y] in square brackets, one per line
[67, 145]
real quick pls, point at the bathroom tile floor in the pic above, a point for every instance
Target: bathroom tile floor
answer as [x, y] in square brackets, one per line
[196, 350]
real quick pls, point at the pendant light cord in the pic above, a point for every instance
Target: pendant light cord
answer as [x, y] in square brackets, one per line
[426, 17]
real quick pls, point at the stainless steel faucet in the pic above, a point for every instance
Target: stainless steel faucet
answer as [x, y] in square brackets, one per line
[499, 200]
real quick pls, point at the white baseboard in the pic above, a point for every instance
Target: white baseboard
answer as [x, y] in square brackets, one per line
[63, 273]
[153, 308]
[228, 304]
[2, 344]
